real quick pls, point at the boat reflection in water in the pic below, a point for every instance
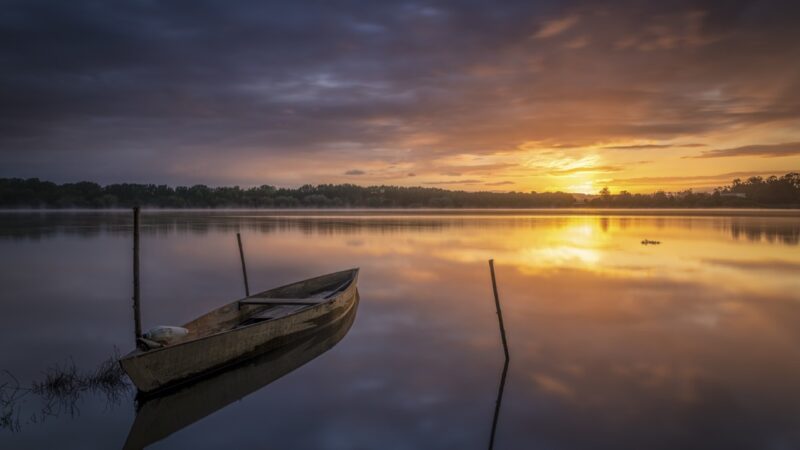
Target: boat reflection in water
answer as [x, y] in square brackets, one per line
[161, 416]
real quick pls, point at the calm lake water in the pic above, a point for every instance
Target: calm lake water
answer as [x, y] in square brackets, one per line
[691, 344]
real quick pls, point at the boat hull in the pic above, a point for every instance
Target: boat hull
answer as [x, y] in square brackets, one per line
[162, 368]
[163, 414]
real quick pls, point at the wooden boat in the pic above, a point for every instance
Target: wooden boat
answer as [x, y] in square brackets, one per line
[242, 329]
[160, 416]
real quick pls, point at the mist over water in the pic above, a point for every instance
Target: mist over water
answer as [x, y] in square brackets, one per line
[692, 343]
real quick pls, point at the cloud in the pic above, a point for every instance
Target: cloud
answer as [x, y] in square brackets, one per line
[555, 27]
[695, 180]
[499, 183]
[652, 146]
[670, 31]
[355, 172]
[469, 181]
[302, 92]
[764, 150]
[587, 169]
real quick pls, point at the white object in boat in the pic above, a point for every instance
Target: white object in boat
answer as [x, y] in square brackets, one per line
[164, 334]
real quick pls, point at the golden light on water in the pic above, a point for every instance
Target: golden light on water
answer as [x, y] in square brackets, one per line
[599, 325]
[696, 249]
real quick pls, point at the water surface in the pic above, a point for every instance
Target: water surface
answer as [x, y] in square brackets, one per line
[692, 343]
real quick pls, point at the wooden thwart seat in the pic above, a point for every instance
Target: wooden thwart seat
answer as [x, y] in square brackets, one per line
[280, 301]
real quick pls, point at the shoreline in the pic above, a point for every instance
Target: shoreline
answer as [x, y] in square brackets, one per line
[389, 212]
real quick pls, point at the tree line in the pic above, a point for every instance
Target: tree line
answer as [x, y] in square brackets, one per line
[33, 193]
[756, 191]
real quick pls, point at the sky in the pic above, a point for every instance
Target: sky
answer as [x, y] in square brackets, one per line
[501, 95]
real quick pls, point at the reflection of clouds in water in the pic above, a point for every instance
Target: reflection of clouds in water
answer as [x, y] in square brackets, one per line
[613, 345]
[782, 228]
[553, 386]
[650, 365]
[562, 256]
[355, 242]
[767, 265]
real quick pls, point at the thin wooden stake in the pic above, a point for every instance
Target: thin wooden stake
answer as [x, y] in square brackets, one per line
[244, 268]
[502, 386]
[137, 318]
[499, 311]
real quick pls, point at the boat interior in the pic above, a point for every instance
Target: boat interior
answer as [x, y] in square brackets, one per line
[268, 305]
[269, 308]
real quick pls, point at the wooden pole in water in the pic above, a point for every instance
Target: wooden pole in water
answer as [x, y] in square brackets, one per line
[505, 365]
[499, 311]
[137, 319]
[244, 268]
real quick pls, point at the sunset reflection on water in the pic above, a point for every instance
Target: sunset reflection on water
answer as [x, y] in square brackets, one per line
[692, 343]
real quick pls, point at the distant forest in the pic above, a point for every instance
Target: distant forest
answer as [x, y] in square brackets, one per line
[771, 192]
[32, 193]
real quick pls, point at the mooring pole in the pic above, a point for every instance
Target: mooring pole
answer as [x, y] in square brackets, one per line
[137, 319]
[499, 311]
[505, 350]
[244, 268]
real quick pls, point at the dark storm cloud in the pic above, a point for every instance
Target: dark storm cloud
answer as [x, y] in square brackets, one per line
[143, 90]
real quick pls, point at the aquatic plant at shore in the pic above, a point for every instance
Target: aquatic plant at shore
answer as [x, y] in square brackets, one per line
[60, 391]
